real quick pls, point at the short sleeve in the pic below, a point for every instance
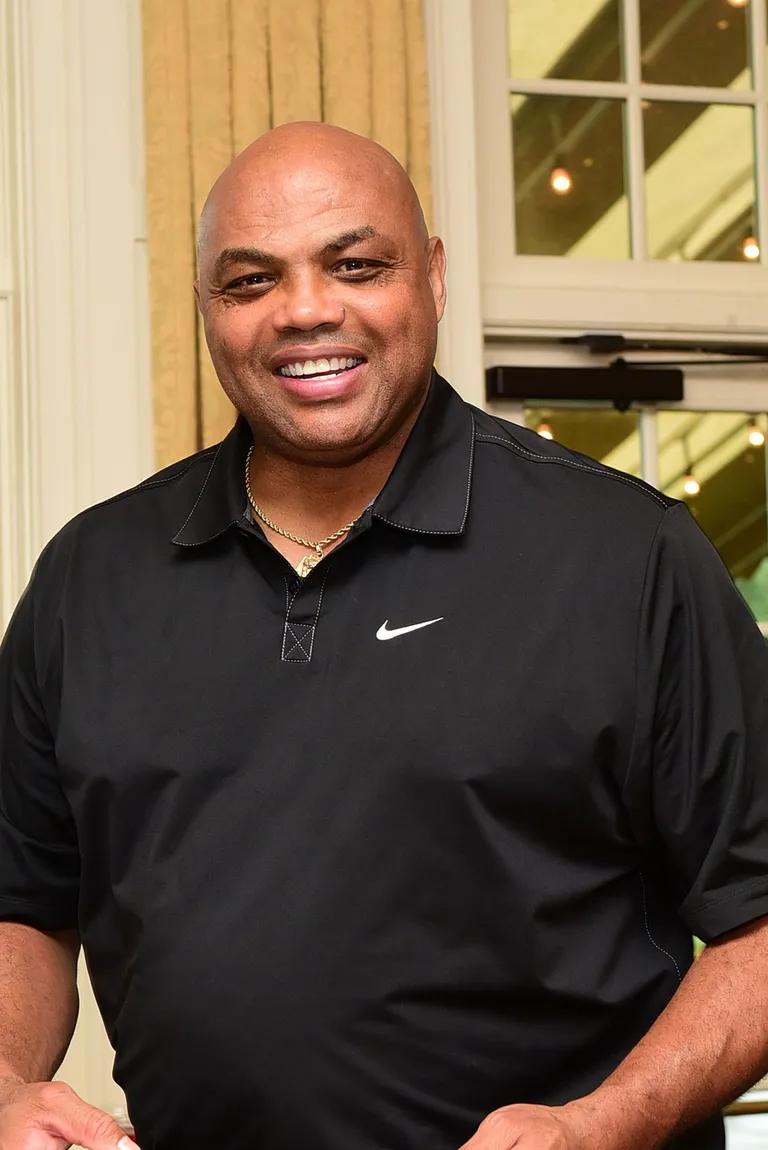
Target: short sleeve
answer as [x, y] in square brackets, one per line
[39, 859]
[697, 788]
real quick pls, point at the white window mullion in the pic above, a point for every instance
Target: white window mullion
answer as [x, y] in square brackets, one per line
[617, 89]
[758, 37]
[544, 86]
[682, 94]
[635, 142]
[649, 445]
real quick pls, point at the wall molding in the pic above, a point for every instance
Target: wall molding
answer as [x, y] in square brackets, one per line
[17, 527]
[75, 401]
[76, 388]
[454, 173]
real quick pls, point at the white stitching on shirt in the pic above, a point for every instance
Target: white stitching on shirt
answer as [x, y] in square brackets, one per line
[513, 445]
[423, 531]
[648, 931]
[200, 496]
[469, 468]
[414, 530]
[297, 642]
[289, 631]
[320, 600]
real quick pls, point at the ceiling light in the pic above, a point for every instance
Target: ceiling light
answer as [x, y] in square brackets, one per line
[756, 435]
[738, 3]
[545, 431]
[751, 248]
[560, 181]
[691, 485]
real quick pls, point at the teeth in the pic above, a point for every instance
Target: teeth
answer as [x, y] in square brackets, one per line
[319, 366]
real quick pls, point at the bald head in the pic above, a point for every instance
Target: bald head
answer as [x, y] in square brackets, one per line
[292, 155]
[313, 251]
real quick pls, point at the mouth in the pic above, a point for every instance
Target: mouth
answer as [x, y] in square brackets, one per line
[320, 370]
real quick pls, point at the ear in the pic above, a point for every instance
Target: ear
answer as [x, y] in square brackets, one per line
[196, 287]
[436, 272]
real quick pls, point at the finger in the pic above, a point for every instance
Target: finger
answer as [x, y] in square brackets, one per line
[67, 1115]
[496, 1132]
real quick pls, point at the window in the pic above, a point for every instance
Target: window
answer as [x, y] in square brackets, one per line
[715, 461]
[622, 165]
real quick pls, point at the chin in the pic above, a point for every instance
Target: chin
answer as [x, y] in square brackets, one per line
[331, 451]
[333, 435]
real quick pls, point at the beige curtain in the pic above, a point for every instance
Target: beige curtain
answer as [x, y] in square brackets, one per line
[218, 73]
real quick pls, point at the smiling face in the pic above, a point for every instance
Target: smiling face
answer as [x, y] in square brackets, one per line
[320, 293]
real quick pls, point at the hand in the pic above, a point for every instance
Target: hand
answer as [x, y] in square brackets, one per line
[50, 1116]
[533, 1128]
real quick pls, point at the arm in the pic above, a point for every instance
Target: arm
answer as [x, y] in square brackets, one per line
[706, 1048]
[38, 1010]
[696, 793]
[39, 893]
[38, 1001]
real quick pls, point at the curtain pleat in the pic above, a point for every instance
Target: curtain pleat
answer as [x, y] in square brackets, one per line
[417, 113]
[389, 85]
[210, 87]
[170, 229]
[251, 88]
[219, 73]
[346, 56]
[294, 54]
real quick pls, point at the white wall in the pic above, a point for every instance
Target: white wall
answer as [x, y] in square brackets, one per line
[75, 409]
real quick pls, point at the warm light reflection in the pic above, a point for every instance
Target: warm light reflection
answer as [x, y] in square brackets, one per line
[738, 3]
[756, 436]
[545, 431]
[751, 248]
[560, 181]
[691, 485]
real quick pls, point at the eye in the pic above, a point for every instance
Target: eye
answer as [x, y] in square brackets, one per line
[359, 269]
[254, 280]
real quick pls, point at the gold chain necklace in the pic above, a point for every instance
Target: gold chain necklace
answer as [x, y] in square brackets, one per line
[309, 561]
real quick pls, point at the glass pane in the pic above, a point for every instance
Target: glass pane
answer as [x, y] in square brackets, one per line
[700, 181]
[602, 433]
[748, 1131]
[704, 42]
[567, 39]
[707, 459]
[569, 176]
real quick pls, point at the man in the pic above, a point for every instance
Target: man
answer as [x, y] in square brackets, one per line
[384, 758]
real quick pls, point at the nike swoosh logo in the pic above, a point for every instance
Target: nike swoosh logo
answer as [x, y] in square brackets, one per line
[383, 632]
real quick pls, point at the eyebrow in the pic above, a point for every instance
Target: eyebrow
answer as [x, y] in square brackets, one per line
[346, 239]
[249, 255]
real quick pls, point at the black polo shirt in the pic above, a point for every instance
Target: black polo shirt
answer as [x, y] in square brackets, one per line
[358, 859]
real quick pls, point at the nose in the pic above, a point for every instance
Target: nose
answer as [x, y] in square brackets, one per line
[307, 302]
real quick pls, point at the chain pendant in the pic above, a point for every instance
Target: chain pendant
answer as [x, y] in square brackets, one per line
[308, 562]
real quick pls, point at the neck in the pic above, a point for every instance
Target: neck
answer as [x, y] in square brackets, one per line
[312, 500]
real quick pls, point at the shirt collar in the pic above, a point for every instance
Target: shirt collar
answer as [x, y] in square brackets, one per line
[428, 491]
[429, 488]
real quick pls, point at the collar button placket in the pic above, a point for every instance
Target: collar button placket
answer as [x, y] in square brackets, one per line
[302, 612]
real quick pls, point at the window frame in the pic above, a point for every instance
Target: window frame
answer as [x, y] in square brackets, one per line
[738, 388]
[526, 295]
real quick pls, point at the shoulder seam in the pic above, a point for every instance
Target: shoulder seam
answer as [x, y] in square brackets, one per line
[147, 484]
[513, 445]
[202, 491]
